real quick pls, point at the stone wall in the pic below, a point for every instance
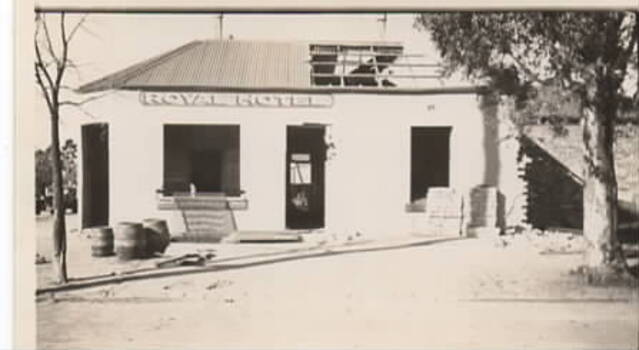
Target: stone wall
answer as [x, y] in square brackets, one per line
[553, 196]
[551, 167]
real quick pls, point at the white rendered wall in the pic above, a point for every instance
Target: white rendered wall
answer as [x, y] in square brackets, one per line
[367, 176]
[369, 183]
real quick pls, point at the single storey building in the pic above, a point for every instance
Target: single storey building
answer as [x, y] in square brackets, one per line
[227, 136]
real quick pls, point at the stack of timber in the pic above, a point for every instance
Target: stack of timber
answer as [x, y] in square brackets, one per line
[444, 214]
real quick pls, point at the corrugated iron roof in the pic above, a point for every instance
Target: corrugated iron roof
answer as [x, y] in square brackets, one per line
[215, 63]
[237, 65]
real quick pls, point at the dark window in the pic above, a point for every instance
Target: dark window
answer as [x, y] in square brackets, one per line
[205, 157]
[430, 160]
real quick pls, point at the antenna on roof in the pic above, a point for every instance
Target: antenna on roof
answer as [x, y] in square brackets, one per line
[384, 20]
[220, 19]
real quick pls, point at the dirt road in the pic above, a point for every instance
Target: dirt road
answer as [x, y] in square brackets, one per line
[462, 294]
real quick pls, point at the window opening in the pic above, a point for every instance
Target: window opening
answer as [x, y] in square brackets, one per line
[202, 159]
[301, 169]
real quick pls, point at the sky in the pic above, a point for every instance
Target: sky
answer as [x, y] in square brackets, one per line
[109, 42]
[106, 43]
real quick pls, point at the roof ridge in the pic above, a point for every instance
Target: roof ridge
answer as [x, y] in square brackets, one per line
[122, 76]
[309, 42]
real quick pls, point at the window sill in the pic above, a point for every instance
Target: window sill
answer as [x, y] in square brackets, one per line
[415, 207]
[201, 201]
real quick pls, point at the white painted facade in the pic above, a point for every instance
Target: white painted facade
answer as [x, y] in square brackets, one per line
[367, 185]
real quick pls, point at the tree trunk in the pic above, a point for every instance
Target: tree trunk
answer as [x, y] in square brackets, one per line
[600, 191]
[59, 224]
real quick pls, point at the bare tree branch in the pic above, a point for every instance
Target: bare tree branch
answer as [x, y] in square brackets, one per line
[51, 89]
[65, 46]
[47, 64]
[71, 64]
[76, 27]
[86, 100]
[48, 39]
[90, 32]
[40, 70]
[63, 33]
[43, 88]
[87, 113]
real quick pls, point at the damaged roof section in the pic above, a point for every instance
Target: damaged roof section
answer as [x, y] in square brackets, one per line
[371, 65]
[220, 64]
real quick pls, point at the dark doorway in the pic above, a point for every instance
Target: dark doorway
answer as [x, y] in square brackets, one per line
[305, 157]
[430, 159]
[95, 175]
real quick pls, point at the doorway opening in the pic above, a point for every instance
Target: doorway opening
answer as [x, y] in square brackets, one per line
[95, 175]
[430, 160]
[305, 157]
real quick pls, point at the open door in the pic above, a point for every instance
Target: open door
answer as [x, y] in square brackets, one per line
[95, 175]
[305, 157]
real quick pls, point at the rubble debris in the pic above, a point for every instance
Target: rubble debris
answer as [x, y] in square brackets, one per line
[550, 241]
[191, 259]
[41, 259]
[207, 253]
[218, 284]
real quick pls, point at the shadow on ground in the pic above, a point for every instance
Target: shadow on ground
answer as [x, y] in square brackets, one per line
[141, 274]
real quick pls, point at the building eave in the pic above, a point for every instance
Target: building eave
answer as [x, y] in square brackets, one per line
[317, 90]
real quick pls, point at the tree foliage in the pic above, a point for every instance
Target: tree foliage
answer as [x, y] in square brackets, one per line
[587, 56]
[43, 175]
[515, 51]
[68, 156]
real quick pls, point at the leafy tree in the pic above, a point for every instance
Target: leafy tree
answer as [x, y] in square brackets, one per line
[43, 175]
[590, 54]
[68, 155]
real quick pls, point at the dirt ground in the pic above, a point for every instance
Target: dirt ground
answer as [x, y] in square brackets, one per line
[473, 293]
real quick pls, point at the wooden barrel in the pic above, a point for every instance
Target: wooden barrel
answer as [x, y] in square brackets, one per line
[101, 240]
[158, 236]
[130, 241]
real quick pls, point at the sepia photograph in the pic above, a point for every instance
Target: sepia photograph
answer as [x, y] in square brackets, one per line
[224, 177]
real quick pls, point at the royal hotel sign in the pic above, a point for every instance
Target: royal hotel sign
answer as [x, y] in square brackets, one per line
[212, 99]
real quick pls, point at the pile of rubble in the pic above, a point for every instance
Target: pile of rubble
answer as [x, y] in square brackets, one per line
[557, 241]
[41, 259]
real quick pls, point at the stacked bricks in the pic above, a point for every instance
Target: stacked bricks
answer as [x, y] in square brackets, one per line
[483, 210]
[444, 213]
